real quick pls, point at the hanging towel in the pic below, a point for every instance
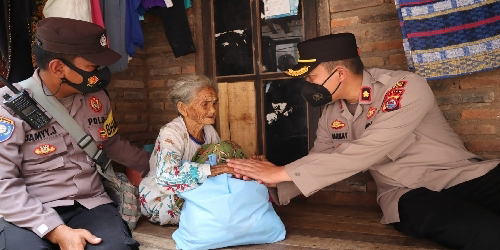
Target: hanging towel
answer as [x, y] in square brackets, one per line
[74, 9]
[97, 13]
[114, 13]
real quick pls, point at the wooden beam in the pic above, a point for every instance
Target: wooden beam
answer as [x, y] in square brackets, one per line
[198, 37]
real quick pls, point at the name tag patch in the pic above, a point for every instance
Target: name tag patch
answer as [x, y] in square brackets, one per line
[339, 136]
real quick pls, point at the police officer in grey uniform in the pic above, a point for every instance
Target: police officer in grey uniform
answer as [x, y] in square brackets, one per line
[51, 196]
[387, 122]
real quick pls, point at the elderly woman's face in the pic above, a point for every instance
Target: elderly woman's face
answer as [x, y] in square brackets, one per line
[202, 108]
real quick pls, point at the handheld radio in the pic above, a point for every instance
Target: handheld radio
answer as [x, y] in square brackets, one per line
[23, 105]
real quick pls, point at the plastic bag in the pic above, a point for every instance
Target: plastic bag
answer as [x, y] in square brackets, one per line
[224, 212]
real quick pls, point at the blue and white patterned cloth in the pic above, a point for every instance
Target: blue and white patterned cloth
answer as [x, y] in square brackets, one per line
[446, 38]
[172, 172]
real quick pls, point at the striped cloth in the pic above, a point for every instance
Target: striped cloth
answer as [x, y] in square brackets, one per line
[446, 38]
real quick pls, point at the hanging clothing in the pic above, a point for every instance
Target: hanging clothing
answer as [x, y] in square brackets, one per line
[97, 18]
[114, 13]
[187, 4]
[176, 26]
[133, 31]
[36, 16]
[74, 9]
[154, 3]
[15, 26]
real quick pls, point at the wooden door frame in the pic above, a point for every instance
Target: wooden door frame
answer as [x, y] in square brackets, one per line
[205, 58]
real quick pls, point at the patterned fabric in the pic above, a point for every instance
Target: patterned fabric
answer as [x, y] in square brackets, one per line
[219, 152]
[448, 38]
[172, 172]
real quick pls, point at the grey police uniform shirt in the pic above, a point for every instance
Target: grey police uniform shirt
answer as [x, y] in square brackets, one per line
[45, 168]
[398, 133]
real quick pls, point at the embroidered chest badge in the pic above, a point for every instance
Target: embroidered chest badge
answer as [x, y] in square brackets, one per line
[103, 134]
[6, 128]
[371, 113]
[45, 149]
[95, 104]
[337, 125]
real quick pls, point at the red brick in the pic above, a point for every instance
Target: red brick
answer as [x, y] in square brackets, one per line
[132, 128]
[132, 106]
[188, 70]
[165, 71]
[130, 118]
[136, 62]
[339, 6]
[479, 82]
[475, 129]
[397, 59]
[346, 21]
[385, 45]
[158, 105]
[480, 114]
[371, 62]
[163, 117]
[128, 84]
[158, 94]
[129, 95]
[483, 146]
[170, 82]
[156, 83]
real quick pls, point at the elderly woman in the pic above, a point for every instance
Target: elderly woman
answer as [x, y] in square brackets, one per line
[172, 171]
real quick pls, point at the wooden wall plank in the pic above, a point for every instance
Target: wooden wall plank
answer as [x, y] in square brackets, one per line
[237, 118]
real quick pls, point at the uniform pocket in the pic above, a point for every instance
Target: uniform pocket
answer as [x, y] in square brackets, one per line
[44, 155]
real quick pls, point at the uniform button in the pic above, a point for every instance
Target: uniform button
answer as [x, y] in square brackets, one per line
[297, 174]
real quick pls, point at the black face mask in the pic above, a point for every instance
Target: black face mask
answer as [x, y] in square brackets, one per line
[318, 95]
[94, 81]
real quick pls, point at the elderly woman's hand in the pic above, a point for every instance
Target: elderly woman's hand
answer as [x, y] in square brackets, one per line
[221, 169]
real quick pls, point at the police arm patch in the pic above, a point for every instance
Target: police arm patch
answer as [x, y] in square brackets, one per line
[392, 100]
[6, 128]
[110, 125]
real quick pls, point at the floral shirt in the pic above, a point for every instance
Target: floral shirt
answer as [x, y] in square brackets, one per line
[172, 171]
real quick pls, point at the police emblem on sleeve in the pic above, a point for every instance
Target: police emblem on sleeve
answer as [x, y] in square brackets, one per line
[337, 125]
[6, 128]
[45, 149]
[392, 100]
[110, 125]
[95, 104]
